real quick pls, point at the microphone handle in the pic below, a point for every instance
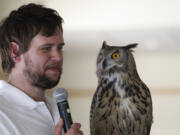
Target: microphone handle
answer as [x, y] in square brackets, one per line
[65, 114]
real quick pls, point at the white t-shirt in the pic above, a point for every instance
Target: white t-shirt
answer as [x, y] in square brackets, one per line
[21, 115]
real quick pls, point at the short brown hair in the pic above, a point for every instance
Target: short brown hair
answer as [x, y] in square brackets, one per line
[22, 25]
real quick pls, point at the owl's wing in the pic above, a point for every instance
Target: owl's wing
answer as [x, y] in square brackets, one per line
[98, 124]
[142, 122]
[101, 111]
[141, 106]
[105, 119]
[149, 108]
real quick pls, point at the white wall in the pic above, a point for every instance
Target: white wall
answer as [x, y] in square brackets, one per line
[154, 24]
[87, 14]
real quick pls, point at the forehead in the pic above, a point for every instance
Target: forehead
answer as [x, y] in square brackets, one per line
[39, 39]
[111, 49]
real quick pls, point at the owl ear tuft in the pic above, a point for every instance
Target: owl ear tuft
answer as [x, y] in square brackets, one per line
[130, 46]
[104, 45]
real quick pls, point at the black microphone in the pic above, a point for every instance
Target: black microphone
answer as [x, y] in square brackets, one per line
[60, 95]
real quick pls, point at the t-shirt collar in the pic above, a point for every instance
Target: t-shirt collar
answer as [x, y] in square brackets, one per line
[17, 97]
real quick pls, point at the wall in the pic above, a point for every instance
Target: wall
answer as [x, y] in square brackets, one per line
[154, 24]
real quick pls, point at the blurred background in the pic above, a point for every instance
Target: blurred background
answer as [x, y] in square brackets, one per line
[153, 24]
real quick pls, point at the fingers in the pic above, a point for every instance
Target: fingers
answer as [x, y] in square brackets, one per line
[76, 126]
[58, 128]
[75, 129]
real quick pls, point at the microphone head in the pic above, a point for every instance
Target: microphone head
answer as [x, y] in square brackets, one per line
[60, 94]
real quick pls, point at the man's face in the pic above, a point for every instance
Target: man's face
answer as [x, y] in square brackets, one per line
[43, 61]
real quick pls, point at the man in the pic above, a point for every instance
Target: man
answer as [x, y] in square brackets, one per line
[31, 43]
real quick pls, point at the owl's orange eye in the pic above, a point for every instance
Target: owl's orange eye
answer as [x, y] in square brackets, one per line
[115, 56]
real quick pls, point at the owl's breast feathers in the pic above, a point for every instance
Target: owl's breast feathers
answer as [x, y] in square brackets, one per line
[121, 105]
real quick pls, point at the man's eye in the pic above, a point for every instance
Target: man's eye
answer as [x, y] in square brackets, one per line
[60, 48]
[46, 48]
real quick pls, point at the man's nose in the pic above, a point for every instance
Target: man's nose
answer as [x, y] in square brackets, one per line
[57, 55]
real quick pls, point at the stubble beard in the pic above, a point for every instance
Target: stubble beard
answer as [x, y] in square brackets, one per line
[39, 79]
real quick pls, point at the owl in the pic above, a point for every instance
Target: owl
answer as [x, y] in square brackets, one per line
[122, 103]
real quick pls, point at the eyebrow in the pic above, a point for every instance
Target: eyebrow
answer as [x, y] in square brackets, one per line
[62, 44]
[49, 44]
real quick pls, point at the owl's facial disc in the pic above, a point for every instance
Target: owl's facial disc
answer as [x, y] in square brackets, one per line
[104, 64]
[100, 57]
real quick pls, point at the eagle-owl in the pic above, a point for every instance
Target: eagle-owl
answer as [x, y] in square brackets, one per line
[122, 103]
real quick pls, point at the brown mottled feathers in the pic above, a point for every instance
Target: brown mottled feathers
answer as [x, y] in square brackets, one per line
[122, 103]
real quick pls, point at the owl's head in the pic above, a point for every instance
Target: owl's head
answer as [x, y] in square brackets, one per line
[115, 58]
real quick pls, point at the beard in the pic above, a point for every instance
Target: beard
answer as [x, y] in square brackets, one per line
[39, 78]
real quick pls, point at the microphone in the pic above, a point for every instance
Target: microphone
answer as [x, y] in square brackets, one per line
[60, 95]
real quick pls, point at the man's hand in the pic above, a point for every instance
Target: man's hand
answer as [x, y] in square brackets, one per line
[74, 130]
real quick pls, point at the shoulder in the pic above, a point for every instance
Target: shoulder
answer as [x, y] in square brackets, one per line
[6, 125]
[5, 109]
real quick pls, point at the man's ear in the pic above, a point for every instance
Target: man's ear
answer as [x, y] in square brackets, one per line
[14, 51]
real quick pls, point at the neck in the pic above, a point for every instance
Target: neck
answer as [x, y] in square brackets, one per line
[21, 83]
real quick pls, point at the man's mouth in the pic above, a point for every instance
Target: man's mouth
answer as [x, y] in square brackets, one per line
[54, 69]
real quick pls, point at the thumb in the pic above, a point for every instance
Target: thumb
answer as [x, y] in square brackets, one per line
[59, 127]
